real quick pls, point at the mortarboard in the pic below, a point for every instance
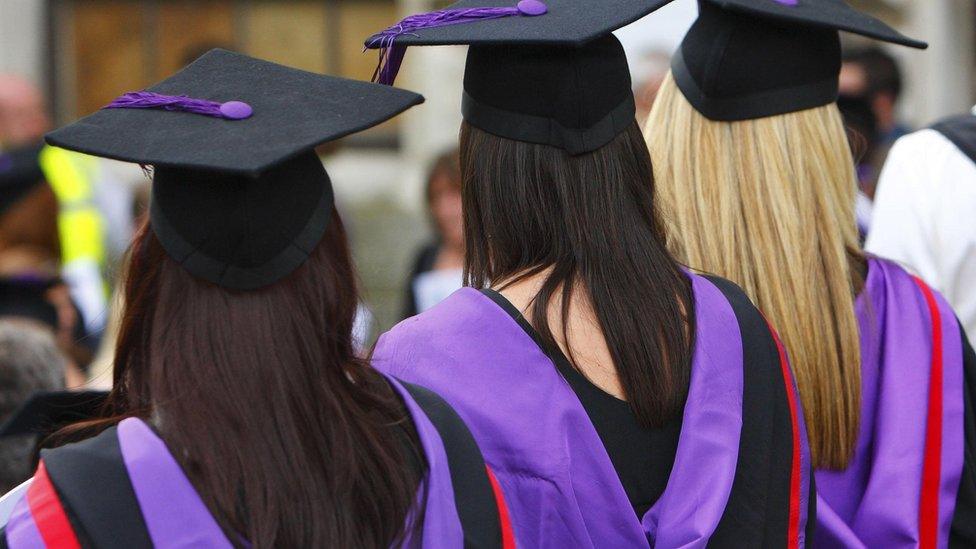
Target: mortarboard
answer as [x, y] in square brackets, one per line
[747, 59]
[26, 297]
[46, 412]
[239, 197]
[543, 72]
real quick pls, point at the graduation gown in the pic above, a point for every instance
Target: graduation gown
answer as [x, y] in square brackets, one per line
[740, 472]
[123, 488]
[910, 483]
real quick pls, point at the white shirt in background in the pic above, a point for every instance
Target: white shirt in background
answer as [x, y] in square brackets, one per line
[925, 217]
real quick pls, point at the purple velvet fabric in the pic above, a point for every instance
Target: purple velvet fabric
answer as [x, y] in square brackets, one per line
[875, 501]
[22, 532]
[559, 482]
[174, 513]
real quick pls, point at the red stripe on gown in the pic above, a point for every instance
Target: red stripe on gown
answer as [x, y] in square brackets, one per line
[45, 506]
[928, 508]
[508, 535]
[793, 532]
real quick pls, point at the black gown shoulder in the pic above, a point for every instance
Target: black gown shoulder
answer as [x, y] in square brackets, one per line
[963, 531]
[759, 504]
[477, 503]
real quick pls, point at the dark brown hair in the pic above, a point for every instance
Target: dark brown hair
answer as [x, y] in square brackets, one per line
[591, 219]
[289, 438]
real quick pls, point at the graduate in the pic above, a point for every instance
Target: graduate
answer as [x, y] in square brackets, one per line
[620, 400]
[240, 415]
[754, 168]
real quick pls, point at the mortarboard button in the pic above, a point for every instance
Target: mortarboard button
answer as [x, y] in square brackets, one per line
[236, 110]
[532, 7]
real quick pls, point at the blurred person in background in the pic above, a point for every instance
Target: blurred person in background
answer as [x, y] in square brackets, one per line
[94, 211]
[925, 210]
[437, 268]
[874, 73]
[862, 132]
[44, 302]
[648, 73]
[870, 86]
[30, 362]
[30, 250]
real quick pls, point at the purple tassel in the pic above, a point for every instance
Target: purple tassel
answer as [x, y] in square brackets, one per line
[231, 110]
[391, 53]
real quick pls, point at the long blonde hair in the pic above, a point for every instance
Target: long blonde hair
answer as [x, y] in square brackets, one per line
[769, 204]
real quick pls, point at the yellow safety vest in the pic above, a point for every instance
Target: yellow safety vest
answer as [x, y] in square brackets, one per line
[80, 225]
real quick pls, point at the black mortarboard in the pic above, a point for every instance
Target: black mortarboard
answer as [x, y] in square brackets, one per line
[547, 72]
[26, 297]
[239, 196]
[46, 412]
[747, 59]
[20, 172]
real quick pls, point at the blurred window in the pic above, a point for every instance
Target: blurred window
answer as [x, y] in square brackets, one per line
[101, 48]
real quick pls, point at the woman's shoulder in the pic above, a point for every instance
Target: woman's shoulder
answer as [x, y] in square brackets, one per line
[714, 294]
[459, 317]
[121, 487]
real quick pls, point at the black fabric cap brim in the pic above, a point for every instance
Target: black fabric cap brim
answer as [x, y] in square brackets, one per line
[236, 277]
[546, 131]
[828, 14]
[294, 111]
[567, 23]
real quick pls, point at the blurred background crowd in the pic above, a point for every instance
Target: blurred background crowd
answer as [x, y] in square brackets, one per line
[66, 219]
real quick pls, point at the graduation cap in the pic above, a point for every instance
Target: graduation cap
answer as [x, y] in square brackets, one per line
[20, 173]
[747, 59]
[46, 412]
[239, 197]
[547, 72]
[26, 297]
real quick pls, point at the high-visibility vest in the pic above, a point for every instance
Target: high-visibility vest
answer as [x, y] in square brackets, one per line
[80, 224]
[81, 227]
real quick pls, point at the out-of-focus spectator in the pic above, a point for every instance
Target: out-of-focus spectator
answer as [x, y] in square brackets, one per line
[874, 73]
[44, 300]
[93, 209]
[438, 268]
[648, 74]
[23, 117]
[925, 210]
[31, 250]
[870, 87]
[30, 362]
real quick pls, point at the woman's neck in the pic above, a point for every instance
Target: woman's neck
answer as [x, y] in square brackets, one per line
[582, 342]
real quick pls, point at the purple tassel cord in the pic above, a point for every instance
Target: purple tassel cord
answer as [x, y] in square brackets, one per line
[231, 110]
[391, 53]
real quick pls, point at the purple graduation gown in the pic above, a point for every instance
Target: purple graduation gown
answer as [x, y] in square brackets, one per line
[166, 511]
[900, 488]
[559, 483]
